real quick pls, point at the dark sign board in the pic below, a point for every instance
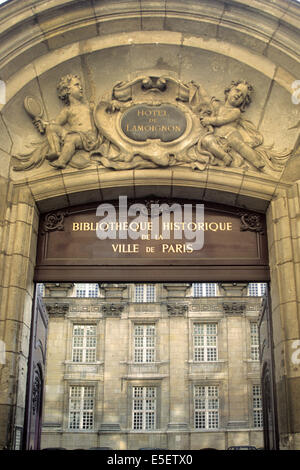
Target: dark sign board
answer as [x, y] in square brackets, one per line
[192, 242]
[164, 122]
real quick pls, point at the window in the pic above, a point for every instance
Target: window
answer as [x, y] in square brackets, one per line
[205, 342]
[144, 408]
[144, 293]
[144, 343]
[81, 407]
[257, 289]
[18, 438]
[204, 289]
[254, 353]
[87, 290]
[206, 407]
[257, 406]
[40, 289]
[84, 343]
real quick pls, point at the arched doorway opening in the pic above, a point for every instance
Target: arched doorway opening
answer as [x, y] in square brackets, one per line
[120, 303]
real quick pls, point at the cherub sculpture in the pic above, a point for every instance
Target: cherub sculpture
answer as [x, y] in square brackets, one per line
[230, 139]
[216, 135]
[71, 131]
[225, 118]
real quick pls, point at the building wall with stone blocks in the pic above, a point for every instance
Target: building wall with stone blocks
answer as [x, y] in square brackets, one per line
[208, 42]
[177, 362]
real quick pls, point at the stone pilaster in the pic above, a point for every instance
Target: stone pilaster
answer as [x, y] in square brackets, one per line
[112, 311]
[284, 247]
[178, 330]
[237, 405]
[112, 376]
[19, 235]
[178, 335]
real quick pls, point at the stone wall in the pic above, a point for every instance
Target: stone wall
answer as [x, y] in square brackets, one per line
[107, 42]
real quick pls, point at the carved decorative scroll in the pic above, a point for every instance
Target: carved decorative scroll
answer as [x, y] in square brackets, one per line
[36, 392]
[53, 221]
[234, 308]
[112, 310]
[252, 222]
[57, 309]
[177, 310]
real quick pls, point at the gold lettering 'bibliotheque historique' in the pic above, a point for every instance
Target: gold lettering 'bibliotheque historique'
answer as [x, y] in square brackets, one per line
[135, 226]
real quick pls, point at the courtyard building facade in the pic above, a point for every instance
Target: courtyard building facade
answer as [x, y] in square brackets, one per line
[169, 366]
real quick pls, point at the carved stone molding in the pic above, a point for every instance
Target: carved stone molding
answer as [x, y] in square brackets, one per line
[234, 308]
[207, 307]
[150, 122]
[53, 221]
[252, 222]
[58, 309]
[112, 310]
[177, 310]
[36, 393]
[109, 428]
[80, 307]
[177, 427]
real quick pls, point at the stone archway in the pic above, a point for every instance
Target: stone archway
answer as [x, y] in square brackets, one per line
[108, 43]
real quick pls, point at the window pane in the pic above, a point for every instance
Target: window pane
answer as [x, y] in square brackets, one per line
[205, 342]
[150, 421]
[144, 343]
[145, 293]
[84, 343]
[199, 419]
[256, 289]
[139, 293]
[211, 290]
[81, 407]
[213, 419]
[197, 290]
[40, 289]
[144, 408]
[206, 407]
[87, 290]
[254, 339]
[202, 289]
[150, 295]
[138, 421]
[257, 406]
